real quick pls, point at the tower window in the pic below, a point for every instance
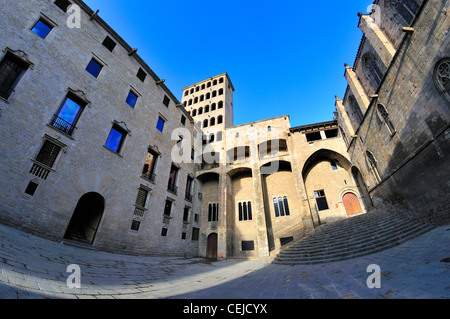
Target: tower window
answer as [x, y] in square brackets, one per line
[109, 43]
[94, 67]
[42, 28]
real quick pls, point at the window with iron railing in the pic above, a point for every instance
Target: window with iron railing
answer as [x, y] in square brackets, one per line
[68, 114]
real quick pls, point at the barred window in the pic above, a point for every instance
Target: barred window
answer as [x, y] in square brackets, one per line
[141, 197]
[12, 69]
[48, 153]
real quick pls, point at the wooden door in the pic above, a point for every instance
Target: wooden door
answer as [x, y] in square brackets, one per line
[351, 204]
[211, 248]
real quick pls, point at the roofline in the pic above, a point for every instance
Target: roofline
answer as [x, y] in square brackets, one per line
[209, 79]
[302, 127]
[260, 121]
[122, 42]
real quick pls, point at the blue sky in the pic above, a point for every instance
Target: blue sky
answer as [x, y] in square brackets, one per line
[283, 57]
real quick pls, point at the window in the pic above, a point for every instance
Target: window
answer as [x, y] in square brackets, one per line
[215, 82]
[355, 109]
[334, 166]
[248, 245]
[214, 94]
[208, 85]
[135, 225]
[200, 111]
[116, 138]
[286, 206]
[206, 108]
[160, 124]
[189, 183]
[286, 240]
[164, 232]
[245, 211]
[63, 4]
[219, 136]
[197, 89]
[213, 107]
[373, 166]
[109, 43]
[150, 164]
[382, 112]
[321, 200]
[220, 119]
[195, 233]
[94, 68]
[141, 75]
[407, 9]
[171, 186]
[205, 123]
[221, 80]
[183, 119]
[195, 100]
[167, 207]
[220, 91]
[315, 136]
[212, 122]
[202, 98]
[208, 95]
[213, 212]
[141, 199]
[186, 93]
[442, 76]
[166, 100]
[32, 187]
[48, 153]
[68, 114]
[12, 69]
[203, 86]
[42, 28]
[186, 214]
[220, 104]
[211, 138]
[371, 69]
[194, 112]
[132, 99]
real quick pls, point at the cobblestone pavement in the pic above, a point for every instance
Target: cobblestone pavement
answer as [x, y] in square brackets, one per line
[32, 267]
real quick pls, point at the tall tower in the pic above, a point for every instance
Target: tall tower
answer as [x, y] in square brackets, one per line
[210, 103]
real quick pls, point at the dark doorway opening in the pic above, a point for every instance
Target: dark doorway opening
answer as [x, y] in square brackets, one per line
[86, 218]
[211, 249]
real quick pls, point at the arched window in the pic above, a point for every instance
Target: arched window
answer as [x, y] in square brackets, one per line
[220, 104]
[203, 86]
[373, 166]
[214, 93]
[371, 69]
[212, 122]
[442, 76]
[355, 109]
[220, 91]
[194, 112]
[190, 102]
[208, 96]
[206, 108]
[384, 115]
[192, 90]
[185, 103]
[220, 119]
[215, 82]
[406, 9]
[205, 123]
[208, 85]
[197, 89]
[202, 98]
[221, 80]
[200, 111]
[196, 100]
[213, 107]
[211, 138]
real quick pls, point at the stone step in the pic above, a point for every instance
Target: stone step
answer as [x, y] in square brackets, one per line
[344, 248]
[352, 238]
[359, 253]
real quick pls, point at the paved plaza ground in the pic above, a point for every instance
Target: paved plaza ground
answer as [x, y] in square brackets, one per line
[32, 267]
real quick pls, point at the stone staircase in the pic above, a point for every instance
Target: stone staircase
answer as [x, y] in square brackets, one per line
[353, 237]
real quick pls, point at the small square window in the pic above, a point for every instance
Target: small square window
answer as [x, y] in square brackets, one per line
[160, 125]
[42, 28]
[141, 75]
[31, 188]
[248, 245]
[109, 43]
[94, 68]
[63, 4]
[166, 101]
[135, 225]
[115, 139]
[164, 232]
[132, 99]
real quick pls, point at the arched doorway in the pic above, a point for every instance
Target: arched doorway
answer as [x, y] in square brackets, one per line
[211, 248]
[351, 204]
[86, 218]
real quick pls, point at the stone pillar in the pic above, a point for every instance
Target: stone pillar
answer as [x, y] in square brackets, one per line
[377, 39]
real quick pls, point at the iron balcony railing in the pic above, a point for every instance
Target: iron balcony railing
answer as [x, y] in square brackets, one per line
[188, 197]
[149, 175]
[62, 125]
[172, 188]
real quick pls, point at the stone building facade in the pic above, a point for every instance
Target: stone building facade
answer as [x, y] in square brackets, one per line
[96, 149]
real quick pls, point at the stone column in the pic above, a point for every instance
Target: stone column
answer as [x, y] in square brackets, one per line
[357, 88]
